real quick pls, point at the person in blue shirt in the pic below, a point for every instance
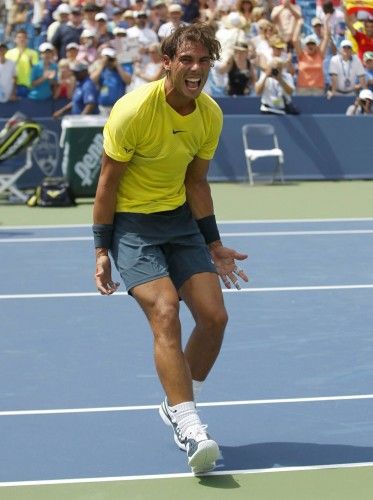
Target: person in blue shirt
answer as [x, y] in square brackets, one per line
[85, 97]
[44, 74]
[111, 78]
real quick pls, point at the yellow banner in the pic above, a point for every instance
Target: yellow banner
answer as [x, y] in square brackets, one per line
[354, 6]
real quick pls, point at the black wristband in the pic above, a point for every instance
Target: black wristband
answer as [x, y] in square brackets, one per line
[208, 228]
[102, 235]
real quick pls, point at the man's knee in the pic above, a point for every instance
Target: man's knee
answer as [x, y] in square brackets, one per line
[214, 322]
[166, 323]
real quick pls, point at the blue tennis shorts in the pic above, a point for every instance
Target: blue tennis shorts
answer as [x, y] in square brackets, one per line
[150, 246]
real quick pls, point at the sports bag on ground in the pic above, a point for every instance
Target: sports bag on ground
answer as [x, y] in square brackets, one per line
[52, 192]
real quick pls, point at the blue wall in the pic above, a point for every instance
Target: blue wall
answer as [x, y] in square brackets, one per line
[317, 144]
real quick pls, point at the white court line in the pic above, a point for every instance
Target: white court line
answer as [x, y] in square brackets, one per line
[186, 474]
[56, 239]
[249, 402]
[243, 290]
[240, 221]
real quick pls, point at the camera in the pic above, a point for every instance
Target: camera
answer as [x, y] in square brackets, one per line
[275, 72]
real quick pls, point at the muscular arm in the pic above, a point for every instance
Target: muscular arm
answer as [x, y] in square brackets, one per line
[103, 213]
[198, 195]
[107, 187]
[198, 191]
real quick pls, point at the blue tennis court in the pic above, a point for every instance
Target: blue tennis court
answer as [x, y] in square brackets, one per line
[292, 387]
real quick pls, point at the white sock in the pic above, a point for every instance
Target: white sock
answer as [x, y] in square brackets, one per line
[197, 387]
[185, 415]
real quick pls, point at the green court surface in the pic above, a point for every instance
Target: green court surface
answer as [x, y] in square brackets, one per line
[330, 484]
[305, 200]
[239, 201]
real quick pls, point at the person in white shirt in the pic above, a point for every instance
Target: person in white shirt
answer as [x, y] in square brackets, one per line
[145, 35]
[346, 70]
[175, 12]
[7, 76]
[275, 86]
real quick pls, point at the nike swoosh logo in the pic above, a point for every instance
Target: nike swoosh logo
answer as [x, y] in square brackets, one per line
[177, 131]
[127, 150]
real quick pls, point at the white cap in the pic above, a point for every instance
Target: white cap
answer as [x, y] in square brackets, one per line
[175, 7]
[63, 8]
[234, 20]
[311, 39]
[101, 16]
[119, 31]
[366, 94]
[346, 43]
[72, 45]
[45, 46]
[88, 34]
[108, 51]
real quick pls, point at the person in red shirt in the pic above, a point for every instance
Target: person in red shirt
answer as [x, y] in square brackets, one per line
[364, 40]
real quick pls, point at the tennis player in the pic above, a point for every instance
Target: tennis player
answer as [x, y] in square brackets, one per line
[154, 212]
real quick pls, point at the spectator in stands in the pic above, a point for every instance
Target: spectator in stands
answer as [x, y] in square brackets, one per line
[363, 104]
[209, 12]
[151, 71]
[24, 59]
[158, 15]
[144, 35]
[245, 8]
[368, 65]
[129, 18]
[65, 80]
[262, 42]
[88, 47]
[258, 13]
[275, 86]
[111, 79]
[44, 74]
[190, 11]
[175, 13]
[103, 34]
[68, 33]
[241, 71]
[279, 46]
[347, 72]
[364, 40]
[229, 33]
[310, 80]
[60, 16]
[7, 76]
[72, 50]
[331, 50]
[117, 21]
[20, 18]
[285, 17]
[336, 19]
[85, 96]
[90, 10]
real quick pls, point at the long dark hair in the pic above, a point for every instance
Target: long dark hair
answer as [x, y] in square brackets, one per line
[197, 33]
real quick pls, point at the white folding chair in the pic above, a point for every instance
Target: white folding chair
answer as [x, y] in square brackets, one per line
[265, 130]
[8, 180]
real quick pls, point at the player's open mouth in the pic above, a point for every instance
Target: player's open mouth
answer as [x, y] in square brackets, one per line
[193, 83]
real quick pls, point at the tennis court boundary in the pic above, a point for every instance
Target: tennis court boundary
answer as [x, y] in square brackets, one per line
[239, 221]
[181, 475]
[248, 402]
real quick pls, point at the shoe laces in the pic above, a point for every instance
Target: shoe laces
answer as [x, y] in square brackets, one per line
[196, 432]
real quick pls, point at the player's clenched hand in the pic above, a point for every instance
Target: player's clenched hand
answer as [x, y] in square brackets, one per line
[105, 285]
[225, 263]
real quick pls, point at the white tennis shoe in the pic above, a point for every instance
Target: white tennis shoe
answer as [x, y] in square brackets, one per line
[202, 451]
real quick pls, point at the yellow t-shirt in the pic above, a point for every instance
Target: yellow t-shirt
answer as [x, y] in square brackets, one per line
[158, 143]
[24, 63]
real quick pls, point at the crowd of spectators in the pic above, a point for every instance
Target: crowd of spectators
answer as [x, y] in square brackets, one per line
[92, 52]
